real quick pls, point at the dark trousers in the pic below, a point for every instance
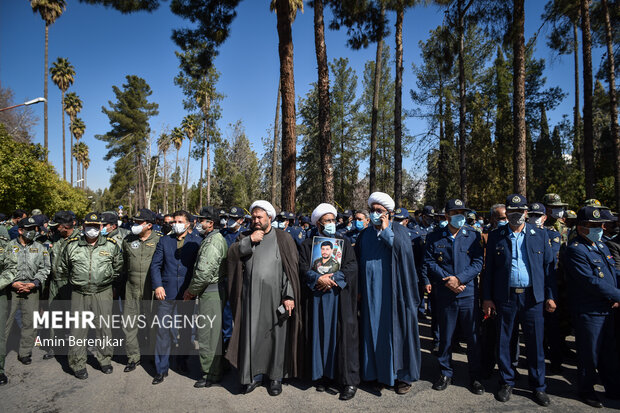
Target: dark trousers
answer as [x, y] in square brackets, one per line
[464, 312]
[554, 340]
[596, 351]
[434, 323]
[167, 336]
[521, 308]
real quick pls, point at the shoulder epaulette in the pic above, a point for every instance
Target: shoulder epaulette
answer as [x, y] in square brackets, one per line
[73, 239]
[112, 240]
[159, 233]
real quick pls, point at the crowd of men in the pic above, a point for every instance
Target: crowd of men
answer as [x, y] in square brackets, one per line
[531, 272]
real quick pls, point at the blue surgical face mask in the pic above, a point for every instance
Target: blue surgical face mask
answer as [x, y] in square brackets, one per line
[375, 217]
[104, 231]
[595, 234]
[457, 221]
[329, 229]
[501, 223]
[359, 225]
[349, 226]
[443, 224]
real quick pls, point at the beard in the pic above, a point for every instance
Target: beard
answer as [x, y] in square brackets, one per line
[262, 227]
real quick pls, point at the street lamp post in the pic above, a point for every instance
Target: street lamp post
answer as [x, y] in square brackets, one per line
[28, 103]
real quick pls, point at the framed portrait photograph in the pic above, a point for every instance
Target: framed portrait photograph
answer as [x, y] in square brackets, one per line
[326, 254]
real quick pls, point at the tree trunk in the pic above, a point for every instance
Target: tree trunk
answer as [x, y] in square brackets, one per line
[45, 131]
[462, 102]
[165, 184]
[274, 157]
[85, 170]
[613, 102]
[189, 153]
[205, 111]
[588, 140]
[174, 188]
[577, 114]
[71, 149]
[375, 111]
[202, 159]
[325, 136]
[398, 106]
[518, 114]
[64, 148]
[208, 172]
[287, 82]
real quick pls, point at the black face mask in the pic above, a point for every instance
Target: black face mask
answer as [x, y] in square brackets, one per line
[166, 228]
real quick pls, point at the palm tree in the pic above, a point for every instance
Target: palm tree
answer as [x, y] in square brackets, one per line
[62, 75]
[85, 163]
[49, 10]
[286, 11]
[77, 154]
[163, 143]
[189, 126]
[177, 141]
[77, 128]
[73, 106]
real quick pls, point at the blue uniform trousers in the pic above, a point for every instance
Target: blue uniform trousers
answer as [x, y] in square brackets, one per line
[523, 309]
[464, 312]
[166, 336]
[596, 350]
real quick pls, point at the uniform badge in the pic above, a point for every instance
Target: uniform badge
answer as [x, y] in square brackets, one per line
[600, 274]
[516, 199]
[15, 250]
[464, 232]
[440, 258]
[299, 236]
[104, 253]
[135, 244]
[532, 232]
[34, 250]
[149, 244]
[596, 213]
[458, 202]
[556, 239]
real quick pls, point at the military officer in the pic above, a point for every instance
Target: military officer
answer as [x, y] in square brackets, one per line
[59, 289]
[28, 263]
[427, 218]
[453, 259]
[234, 225]
[594, 292]
[347, 222]
[92, 263]
[110, 227]
[519, 278]
[138, 249]
[207, 284]
[554, 209]
[296, 232]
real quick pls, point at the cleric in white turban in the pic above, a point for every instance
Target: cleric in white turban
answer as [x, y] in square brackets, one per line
[390, 344]
[265, 206]
[330, 305]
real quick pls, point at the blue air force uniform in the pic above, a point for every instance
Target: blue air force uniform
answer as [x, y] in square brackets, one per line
[519, 277]
[593, 288]
[461, 256]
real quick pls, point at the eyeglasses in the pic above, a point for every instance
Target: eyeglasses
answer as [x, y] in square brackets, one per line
[381, 211]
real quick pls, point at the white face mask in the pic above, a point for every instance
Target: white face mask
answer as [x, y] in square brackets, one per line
[137, 229]
[200, 228]
[91, 232]
[538, 222]
[178, 228]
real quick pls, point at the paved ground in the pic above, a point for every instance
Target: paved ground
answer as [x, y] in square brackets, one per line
[48, 386]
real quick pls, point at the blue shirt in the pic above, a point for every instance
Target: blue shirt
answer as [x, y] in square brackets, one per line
[520, 272]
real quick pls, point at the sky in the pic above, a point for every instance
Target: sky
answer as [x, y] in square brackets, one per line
[104, 46]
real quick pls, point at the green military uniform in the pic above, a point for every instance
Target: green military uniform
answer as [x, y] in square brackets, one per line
[5, 281]
[119, 235]
[137, 256]
[208, 285]
[328, 267]
[26, 263]
[91, 270]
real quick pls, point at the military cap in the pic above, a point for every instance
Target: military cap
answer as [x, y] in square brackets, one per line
[608, 215]
[401, 213]
[93, 218]
[210, 213]
[455, 204]
[471, 215]
[282, 214]
[428, 210]
[27, 223]
[441, 213]
[109, 217]
[537, 208]
[290, 215]
[36, 212]
[516, 201]
[590, 214]
[347, 213]
[145, 215]
[570, 214]
[305, 220]
[222, 213]
[40, 219]
[159, 216]
[61, 218]
[236, 212]
[593, 203]
[553, 200]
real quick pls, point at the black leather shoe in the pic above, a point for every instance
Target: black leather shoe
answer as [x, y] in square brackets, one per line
[159, 378]
[275, 388]
[542, 398]
[131, 366]
[348, 392]
[320, 386]
[25, 360]
[107, 369]
[49, 355]
[435, 350]
[442, 383]
[81, 374]
[476, 387]
[3, 379]
[203, 383]
[503, 395]
[248, 388]
[591, 399]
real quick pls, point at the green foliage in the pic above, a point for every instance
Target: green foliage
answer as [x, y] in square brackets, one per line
[28, 182]
[309, 174]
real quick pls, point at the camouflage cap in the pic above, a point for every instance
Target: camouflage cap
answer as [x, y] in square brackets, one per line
[570, 214]
[553, 200]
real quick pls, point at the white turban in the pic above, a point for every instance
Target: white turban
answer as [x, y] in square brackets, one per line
[381, 198]
[266, 206]
[321, 210]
